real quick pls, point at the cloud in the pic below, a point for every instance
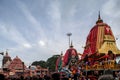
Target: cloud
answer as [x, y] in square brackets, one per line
[42, 43]
[111, 9]
[27, 45]
[62, 18]
[55, 15]
[36, 24]
[11, 33]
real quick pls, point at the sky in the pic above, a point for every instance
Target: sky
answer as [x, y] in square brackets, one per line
[35, 30]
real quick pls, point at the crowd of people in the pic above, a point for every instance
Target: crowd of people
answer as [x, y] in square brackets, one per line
[58, 76]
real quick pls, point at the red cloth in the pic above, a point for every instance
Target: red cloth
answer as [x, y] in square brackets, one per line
[68, 55]
[91, 41]
[103, 57]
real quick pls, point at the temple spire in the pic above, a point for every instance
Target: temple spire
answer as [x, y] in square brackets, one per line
[71, 45]
[99, 19]
[99, 16]
[61, 53]
[6, 53]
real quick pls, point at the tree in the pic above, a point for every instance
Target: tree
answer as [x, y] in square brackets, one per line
[40, 63]
[51, 62]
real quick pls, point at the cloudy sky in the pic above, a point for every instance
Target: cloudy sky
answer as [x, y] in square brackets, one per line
[36, 29]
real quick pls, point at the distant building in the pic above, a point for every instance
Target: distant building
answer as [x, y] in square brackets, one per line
[17, 66]
[6, 61]
[38, 70]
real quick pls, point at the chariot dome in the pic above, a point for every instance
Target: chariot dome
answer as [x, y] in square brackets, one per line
[100, 40]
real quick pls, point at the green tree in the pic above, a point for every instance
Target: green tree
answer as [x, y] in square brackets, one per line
[40, 63]
[51, 62]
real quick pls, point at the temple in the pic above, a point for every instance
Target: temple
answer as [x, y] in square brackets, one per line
[6, 61]
[17, 67]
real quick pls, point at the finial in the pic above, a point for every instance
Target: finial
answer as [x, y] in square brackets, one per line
[6, 53]
[99, 15]
[71, 45]
[61, 53]
[16, 56]
[99, 19]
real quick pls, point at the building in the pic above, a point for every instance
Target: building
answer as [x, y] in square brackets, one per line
[6, 61]
[17, 66]
[38, 70]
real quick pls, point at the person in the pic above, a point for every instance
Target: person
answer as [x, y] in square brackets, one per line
[96, 73]
[47, 77]
[64, 77]
[106, 77]
[2, 77]
[108, 72]
[119, 74]
[75, 76]
[56, 76]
